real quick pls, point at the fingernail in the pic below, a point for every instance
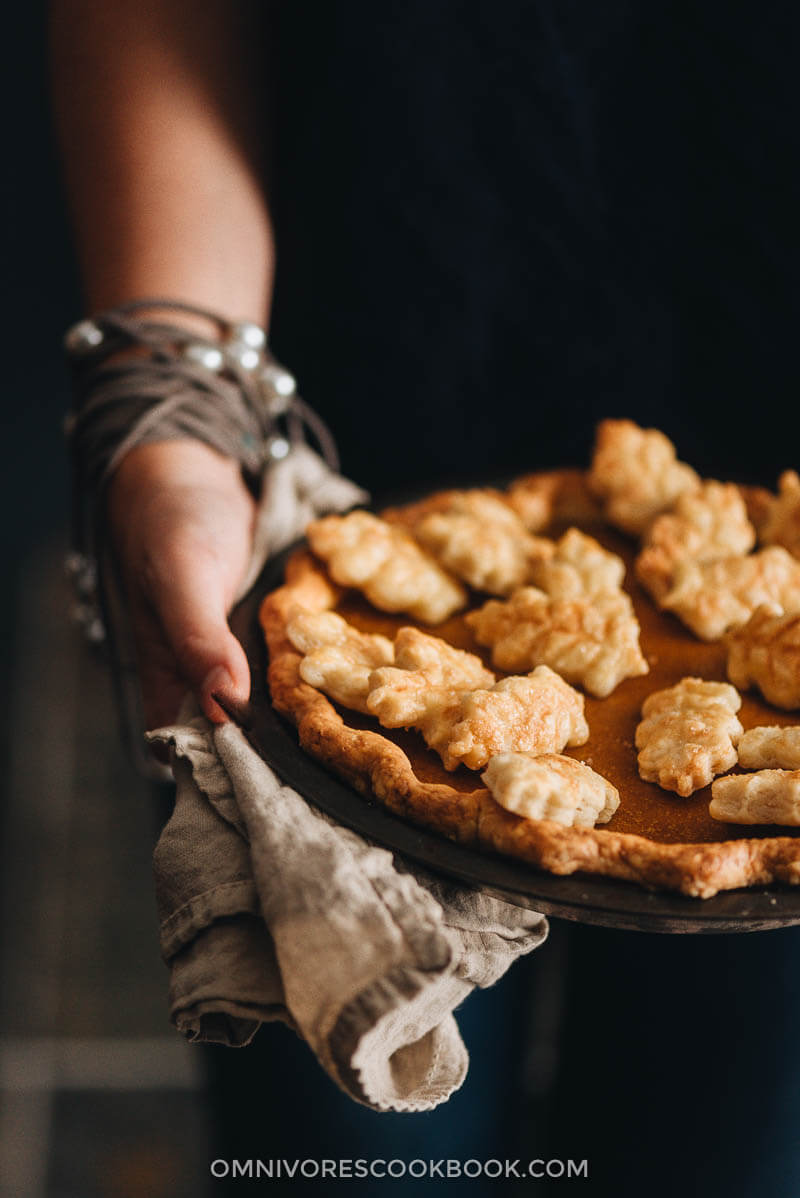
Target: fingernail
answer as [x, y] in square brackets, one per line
[217, 679]
[216, 682]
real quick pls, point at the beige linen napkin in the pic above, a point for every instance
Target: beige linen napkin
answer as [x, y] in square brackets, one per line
[271, 911]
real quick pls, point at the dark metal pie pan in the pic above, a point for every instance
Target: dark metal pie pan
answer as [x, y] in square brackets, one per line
[605, 902]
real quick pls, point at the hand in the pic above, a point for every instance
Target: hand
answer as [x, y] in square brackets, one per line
[181, 521]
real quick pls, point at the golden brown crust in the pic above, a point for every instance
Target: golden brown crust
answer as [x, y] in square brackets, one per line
[765, 652]
[713, 597]
[591, 642]
[770, 747]
[482, 541]
[554, 496]
[636, 473]
[782, 524]
[701, 525]
[384, 562]
[767, 796]
[688, 734]
[381, 766]
[551, 786]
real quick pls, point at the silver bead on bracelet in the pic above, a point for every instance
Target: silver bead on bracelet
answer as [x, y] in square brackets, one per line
[229, 392]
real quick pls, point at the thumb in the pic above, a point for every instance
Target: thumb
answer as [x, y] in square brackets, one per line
[191, 605]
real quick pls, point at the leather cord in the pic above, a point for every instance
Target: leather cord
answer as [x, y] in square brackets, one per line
[145, 381]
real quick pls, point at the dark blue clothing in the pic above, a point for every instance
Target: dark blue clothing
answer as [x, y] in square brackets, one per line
[497, 224]
[275, 1102]
[669, 1063]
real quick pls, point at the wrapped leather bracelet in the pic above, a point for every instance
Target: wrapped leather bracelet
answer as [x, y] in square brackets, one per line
[138, 380]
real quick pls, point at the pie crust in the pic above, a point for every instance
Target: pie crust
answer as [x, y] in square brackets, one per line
[655, 838]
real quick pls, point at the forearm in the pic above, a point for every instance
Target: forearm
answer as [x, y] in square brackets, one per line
[160, 120]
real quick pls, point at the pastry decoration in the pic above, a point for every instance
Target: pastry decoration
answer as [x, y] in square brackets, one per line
[765, 652]
[551, 786]
[337, 658]
[766, 797]
[701, 526]
[592, 642]
[636, 474]
[385, 562]
[713, 597]
[578, 567]
[481, 540]
[558, 619]
[782, 523]
[538, 713]
[422, 689]
[555, 495]
[770, 747]
[688, 734]
[441, 664]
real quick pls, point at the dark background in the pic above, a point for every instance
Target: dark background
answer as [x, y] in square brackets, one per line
[40, 297]
[99, 1098]
[79, 953]
[496, 227]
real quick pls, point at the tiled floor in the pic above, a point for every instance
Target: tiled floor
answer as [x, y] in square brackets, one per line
[100, 1097]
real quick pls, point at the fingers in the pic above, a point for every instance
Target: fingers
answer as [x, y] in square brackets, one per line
[162, 688]
[181, 517]
[189, 597]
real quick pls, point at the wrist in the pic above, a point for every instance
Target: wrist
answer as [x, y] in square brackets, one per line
[179, 462]
[154, 477]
